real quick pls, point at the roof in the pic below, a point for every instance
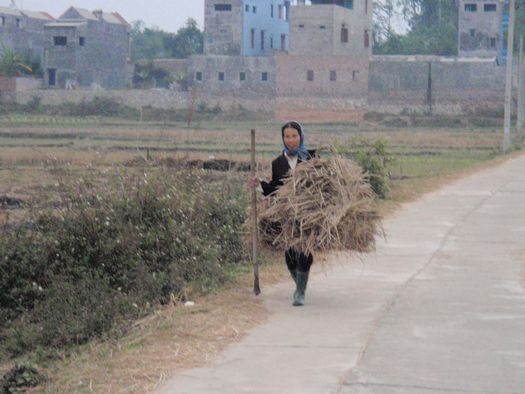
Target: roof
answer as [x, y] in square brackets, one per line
[85, 14]
[10, 11]
[37, 15]
[120, 18]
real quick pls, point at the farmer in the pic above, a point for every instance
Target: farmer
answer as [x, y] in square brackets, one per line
[294, 153]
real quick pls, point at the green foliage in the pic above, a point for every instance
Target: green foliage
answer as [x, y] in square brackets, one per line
[433, 27]
[98, 106]
[151, 43]
[374, 158]
[77, 273]
[20, 378]
[148, 75]
[12, 63]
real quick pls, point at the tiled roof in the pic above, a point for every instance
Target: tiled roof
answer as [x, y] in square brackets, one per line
[37, 15]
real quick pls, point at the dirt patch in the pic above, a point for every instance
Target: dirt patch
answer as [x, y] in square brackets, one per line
[308, 116]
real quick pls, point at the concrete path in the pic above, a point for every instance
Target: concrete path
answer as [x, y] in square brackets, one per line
[440, 307]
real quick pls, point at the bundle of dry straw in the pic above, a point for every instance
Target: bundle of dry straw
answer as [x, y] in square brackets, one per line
[326, 204]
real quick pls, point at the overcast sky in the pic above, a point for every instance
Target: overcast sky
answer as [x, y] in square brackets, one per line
[169, 15]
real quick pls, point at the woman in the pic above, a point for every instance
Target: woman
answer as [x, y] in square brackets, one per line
[294, 153]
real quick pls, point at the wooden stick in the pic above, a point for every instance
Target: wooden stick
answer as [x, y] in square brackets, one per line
[256, 287]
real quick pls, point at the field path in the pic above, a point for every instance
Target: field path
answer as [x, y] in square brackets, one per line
[440, 307]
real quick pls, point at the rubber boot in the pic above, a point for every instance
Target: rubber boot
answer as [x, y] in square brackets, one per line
[302, 281]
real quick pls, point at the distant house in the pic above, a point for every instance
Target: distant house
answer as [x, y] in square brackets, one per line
[84, 48]
[22, 30]
[480, 28]
[246, 27]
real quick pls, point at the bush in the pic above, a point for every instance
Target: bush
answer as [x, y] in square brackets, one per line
[20, 378]
[374, 159]
[112, 251]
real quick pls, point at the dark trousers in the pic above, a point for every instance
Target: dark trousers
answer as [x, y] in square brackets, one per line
[298, 261]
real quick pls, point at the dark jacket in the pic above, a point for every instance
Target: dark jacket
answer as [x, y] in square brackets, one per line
[280, 169]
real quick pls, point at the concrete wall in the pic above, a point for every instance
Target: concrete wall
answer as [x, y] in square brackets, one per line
[403, 82]
[232, 66]
[480, 30]
[350, 74]
[316, 30]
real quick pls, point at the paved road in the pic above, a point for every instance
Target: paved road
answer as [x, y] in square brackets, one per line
[440, 307]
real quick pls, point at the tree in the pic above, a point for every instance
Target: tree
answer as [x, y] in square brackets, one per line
[12, 64]
[188, 41]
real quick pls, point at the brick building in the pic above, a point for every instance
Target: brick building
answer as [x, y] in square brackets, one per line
[22, 31]
[84, 48]
[480, 28]
[246, 27]
[327, 54]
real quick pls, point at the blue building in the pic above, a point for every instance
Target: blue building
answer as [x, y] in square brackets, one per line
[246, 27]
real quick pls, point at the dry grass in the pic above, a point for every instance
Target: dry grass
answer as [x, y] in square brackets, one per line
[325, 204]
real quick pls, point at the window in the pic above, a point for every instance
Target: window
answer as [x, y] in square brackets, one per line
[354, 75]
[344, 34]
[252, 39]
[247, 8]
[310, 75]
[18, 23]
[333, 76]
[469, 7]
[223, 7]
[271, 10]
[262, 39]
[492, 42]
[81, 41]
[254, 9]
[60, 40]
[242, 76]
[283, 42]
[489, 7]
[349, 4]
[264, 76]
[367, 39]
[322, 27]
[198, 76]
[473, 33]
[366, 6]
[301, 26]
[221, 76]
[2, 21]
[271, 42]
[280, 11]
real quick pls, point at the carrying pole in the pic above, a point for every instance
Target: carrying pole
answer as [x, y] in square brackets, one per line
[256, 287]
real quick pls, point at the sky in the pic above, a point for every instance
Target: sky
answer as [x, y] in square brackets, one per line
[169, 15]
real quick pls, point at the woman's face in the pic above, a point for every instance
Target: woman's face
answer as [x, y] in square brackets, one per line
[292, 139]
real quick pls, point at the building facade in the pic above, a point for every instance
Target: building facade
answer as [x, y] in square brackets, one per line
[22, 30]
[84, 48]
[246, 27]
[480, 28]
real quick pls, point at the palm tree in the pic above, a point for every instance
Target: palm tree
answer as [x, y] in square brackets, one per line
[11, 63]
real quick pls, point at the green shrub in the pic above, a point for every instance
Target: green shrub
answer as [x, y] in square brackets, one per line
[20, 378]
[374, 158]
[111, 251]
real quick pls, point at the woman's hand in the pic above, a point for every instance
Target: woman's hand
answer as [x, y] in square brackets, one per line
[253, 182]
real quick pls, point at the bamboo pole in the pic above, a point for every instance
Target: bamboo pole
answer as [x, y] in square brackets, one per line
[256, 286]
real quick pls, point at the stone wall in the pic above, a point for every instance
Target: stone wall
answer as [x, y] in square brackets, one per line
[480, 30]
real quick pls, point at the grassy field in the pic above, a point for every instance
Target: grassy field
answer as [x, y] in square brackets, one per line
[38, 153]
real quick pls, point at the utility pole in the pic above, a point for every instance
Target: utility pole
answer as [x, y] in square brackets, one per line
[521, 88]
[508, 79]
